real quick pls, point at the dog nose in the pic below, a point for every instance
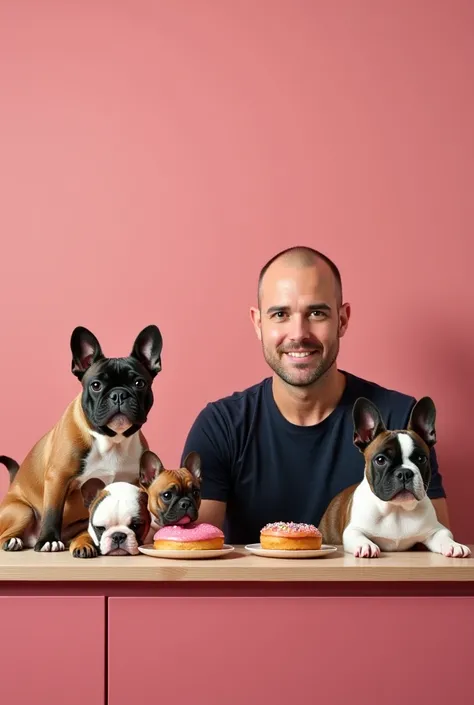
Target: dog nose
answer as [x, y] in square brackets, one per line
[404, 474]
[118, 396]
[118, 537]
[184, 503]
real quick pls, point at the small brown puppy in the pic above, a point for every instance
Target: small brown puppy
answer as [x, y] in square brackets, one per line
[174, 496]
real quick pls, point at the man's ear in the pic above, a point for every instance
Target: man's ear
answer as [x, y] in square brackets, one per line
[256, 318]
[368, 423]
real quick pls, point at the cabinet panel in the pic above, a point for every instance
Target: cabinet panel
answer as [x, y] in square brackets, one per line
[215, 650]
[52, 650]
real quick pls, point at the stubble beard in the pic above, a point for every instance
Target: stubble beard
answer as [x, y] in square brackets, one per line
[273, 359]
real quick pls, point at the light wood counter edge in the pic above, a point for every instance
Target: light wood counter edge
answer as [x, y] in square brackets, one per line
[29, 566]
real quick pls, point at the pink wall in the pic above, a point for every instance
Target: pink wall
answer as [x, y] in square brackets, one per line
[154, 155]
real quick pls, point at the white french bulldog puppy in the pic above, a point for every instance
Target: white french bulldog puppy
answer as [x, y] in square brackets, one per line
[119, 520]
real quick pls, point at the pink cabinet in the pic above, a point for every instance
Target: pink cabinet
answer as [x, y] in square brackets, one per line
[52, 650]
[234, 650]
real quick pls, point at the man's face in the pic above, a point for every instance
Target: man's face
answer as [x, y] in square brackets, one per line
[299, 321]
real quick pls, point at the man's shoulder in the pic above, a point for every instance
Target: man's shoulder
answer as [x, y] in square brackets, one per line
[234, 403]
[392, 403]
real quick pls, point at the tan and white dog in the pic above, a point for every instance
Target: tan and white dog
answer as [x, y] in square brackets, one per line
[390, 510]
[99, 435]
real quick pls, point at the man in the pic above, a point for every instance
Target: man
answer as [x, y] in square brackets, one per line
[281, 449]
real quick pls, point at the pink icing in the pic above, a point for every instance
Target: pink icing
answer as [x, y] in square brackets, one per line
[191, 532]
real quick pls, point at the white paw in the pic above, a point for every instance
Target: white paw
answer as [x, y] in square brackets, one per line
[52, 546]
[455, 550]
[14, 544]
[367, 550]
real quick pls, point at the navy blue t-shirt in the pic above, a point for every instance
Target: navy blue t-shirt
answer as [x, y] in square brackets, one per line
[267, 469]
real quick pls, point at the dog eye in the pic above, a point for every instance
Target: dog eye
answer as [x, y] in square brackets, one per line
[380, 460]
[135, 525]
[166, 495]
[96, 386]
[421, 459]
[139, 383]
[195, 493]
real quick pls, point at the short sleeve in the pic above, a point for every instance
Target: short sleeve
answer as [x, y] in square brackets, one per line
[208, 437]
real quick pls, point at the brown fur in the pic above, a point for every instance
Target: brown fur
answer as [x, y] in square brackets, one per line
[166, 480]
[338, 513]
[336, 517]
[46, 481]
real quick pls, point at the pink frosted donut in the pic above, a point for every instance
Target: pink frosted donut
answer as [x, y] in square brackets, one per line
[189, 537]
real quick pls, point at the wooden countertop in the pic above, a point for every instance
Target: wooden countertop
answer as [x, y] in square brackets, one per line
[29, 566]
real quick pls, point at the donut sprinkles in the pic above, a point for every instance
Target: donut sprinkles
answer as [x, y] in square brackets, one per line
[291, 527]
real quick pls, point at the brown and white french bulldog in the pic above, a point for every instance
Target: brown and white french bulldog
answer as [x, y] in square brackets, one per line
[390, 510]
[174, 496]
[98, 436]
[119, 520]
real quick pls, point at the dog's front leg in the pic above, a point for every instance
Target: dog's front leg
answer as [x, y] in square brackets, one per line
[441, 541]
[56, 486]
[354, 541]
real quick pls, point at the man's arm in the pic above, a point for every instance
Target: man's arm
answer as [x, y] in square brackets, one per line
[209, 437]
[212, 512]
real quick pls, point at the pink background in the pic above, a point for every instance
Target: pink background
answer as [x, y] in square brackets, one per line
[155, 154]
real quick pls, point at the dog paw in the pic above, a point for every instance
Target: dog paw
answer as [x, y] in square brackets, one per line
[14, 544]
[49, 546]
[367, 550]
[455, 550]
[87, 551]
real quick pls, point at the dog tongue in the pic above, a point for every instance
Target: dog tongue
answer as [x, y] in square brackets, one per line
[184, 520]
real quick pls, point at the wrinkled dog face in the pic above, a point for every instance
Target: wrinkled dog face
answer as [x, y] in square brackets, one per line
[397, 463]
[119, 520]
[117, 392]
[174, 496]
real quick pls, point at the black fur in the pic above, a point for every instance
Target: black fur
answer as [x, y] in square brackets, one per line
[388, 476]
[11, 465]
[114, 386]
[50, 528]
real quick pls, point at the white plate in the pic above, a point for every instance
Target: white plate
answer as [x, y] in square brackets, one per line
[276, 553]
[149, 550]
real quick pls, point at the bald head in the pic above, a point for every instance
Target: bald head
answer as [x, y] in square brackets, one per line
[299, 257]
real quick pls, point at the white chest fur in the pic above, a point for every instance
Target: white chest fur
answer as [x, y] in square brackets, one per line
[115, 459]
[392, 527]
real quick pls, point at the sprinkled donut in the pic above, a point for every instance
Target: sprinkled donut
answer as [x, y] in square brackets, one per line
[290, 536]
[189, 537]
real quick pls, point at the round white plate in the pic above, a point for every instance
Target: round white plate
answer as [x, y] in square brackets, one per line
[275, 553]
[149, 550]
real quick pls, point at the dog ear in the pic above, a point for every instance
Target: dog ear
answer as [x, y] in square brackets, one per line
[150, 468]
[192, 462]
[367, 421]
[90, 490]
[85, 350]
[147, 349]
[422, 420]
